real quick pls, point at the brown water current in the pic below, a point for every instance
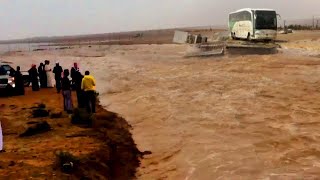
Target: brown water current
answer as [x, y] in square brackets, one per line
[232, 117]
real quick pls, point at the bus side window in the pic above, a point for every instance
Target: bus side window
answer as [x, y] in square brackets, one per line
[247, 16]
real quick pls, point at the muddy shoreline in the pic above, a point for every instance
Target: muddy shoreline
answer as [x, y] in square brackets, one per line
[118, 157]
[105, 151]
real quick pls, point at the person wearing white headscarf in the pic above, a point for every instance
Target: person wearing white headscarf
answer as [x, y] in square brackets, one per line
[49, 74]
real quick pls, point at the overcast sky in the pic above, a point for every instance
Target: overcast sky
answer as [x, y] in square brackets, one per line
[29, 18]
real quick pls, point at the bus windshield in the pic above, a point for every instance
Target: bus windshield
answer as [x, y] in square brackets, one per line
[266, 20]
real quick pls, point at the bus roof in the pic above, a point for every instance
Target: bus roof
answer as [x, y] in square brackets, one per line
[252, 9]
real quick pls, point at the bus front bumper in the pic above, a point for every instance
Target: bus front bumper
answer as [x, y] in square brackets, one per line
[265, 35]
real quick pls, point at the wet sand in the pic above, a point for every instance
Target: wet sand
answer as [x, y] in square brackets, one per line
[232, 117]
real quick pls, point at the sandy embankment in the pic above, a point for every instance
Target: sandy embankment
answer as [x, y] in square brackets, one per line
[101, 150]
[232, 117]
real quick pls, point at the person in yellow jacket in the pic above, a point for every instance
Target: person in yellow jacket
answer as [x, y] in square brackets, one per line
[88, 85]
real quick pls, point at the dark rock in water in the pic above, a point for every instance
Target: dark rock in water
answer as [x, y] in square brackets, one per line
[55, 115]
[40, 113]
[81, 116]
[38, 128]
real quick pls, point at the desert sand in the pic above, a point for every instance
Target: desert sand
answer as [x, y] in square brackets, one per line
[245, 116]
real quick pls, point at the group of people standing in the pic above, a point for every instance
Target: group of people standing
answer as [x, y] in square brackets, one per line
[43, 73]
[83, 85]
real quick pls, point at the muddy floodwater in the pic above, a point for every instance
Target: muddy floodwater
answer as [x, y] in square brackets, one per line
[231, 117]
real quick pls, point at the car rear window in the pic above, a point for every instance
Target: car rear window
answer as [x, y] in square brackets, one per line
[4, 69]
[7, 67]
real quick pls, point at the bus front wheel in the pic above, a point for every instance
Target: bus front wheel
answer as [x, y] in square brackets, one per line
[233, 35]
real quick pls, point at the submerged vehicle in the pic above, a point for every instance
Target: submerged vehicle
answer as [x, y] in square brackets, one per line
[253, 24]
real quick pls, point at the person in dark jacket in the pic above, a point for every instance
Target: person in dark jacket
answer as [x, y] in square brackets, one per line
[33, 73]
[66, 92]
[19, 81]
[76, 85]
[42, 76]
[74, 71]
[79, 91]
[57, 70]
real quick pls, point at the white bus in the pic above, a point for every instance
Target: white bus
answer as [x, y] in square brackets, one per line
[253, 24]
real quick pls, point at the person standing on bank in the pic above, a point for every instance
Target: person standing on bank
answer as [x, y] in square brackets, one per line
[19, 81]
[42, 76]
[88, 85]
[1, 139]
[74, 74]
[48, 71]
[77, 86]
[57, 70]
[33, 73]
[66, 92]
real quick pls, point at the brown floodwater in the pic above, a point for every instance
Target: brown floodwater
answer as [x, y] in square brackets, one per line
[231, 117]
